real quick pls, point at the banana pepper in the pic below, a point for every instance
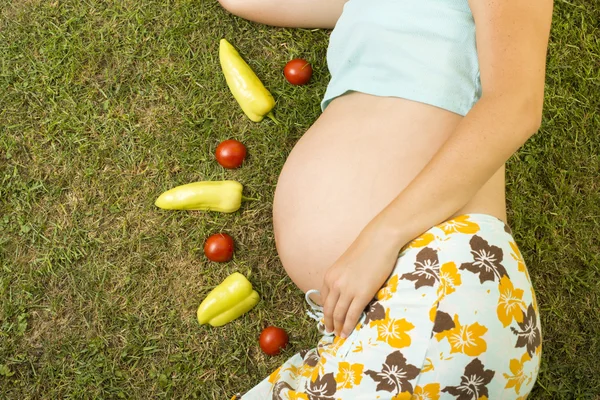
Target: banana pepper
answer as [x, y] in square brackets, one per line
[229, 300]
[224, 196]
[256, 101]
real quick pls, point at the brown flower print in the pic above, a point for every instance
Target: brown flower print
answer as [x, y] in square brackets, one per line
[427, 269]
[395, 375]
[278, 390]
[473, 384]
[443, 322]
[375, 312]
[323, 388]
[529, 335]
[311, 359]
[486, 260]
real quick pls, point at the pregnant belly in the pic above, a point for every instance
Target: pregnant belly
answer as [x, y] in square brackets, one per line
[348, 166]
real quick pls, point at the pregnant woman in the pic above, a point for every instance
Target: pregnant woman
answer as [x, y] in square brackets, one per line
[390, 211]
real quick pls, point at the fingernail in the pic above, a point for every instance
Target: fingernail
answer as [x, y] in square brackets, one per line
[343, 336]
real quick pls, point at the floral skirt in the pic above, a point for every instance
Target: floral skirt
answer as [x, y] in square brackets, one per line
[456, 319]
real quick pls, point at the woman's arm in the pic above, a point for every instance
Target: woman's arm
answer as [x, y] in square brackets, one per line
[512, 40]
[289, 13]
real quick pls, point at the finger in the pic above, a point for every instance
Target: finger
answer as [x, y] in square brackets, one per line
[328, 308]
[323, 295]
[339, 314]
[352, 316]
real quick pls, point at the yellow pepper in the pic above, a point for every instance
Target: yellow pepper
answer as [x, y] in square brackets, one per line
[229, 300]
[224, 196]
[256, 101]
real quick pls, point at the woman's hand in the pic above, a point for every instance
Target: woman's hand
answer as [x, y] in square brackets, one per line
[354, 279]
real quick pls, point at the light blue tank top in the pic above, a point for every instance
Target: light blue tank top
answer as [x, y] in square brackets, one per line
[421, 50]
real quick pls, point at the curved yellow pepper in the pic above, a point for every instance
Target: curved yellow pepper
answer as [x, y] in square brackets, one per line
[256, 101]
[229, 300]
[224, 196]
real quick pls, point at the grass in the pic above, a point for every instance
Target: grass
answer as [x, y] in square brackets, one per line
[105, 104]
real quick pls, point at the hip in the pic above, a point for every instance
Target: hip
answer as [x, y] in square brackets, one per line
[459, 302]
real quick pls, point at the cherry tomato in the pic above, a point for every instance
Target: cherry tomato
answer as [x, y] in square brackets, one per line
[219, 247]
[272, 340]
[230, 153]
[298, 71]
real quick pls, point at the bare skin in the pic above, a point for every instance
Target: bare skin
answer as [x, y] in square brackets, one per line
[289, 13]
[373, 173]
[360, 153]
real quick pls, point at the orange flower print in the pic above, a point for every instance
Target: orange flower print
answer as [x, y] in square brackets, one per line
[510, 303]
[309, 363]
[516, 255]
[358, 348]
[293, 371]
[293, 395]
[402, 396]
[318, 370]
[449, 279]
[349, 375]
[331, 348]
[422, 240]
[335, 346]
[460, 224]
[465, 339]
[274, 377]
[305, 371]
[433, 311]
[385, 293]
[430, 391]
[427, 366]
[393, 331]
[517, 378]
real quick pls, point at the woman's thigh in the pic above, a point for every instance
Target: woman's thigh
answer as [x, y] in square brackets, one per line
[289, 13]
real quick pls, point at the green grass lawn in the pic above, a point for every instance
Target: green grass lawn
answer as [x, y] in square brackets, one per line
[106, 104]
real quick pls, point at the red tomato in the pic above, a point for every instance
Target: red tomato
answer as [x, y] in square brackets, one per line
[230, 153]
[272, 340]
[219, 247]
[298, 71]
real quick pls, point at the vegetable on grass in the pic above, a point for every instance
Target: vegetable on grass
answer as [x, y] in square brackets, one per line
[298, 71]
[272, 339]
[227, 301]
[224, 196]
[230, 153]
[219, 247]
[256, 101]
